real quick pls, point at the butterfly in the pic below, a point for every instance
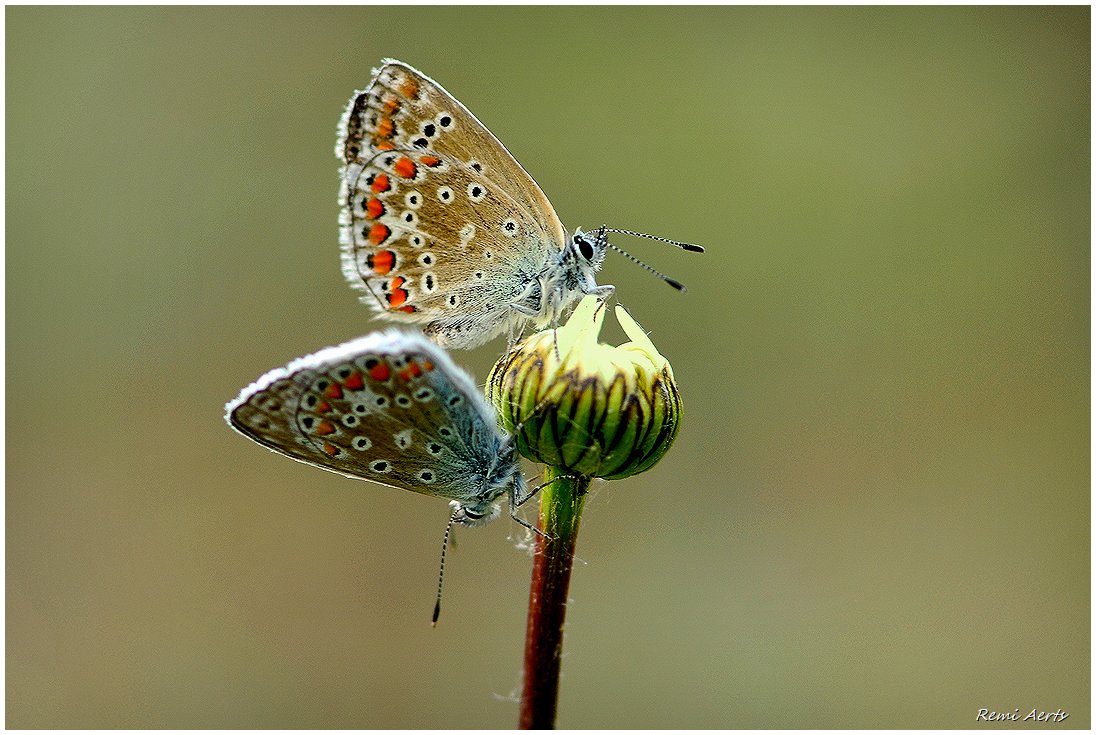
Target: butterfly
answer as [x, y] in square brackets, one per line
[442, 227]
[393, 408]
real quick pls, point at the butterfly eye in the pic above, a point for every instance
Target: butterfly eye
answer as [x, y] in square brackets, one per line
[585, 249]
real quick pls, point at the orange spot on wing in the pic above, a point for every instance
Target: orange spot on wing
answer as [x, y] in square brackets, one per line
[379, 233]
[395, 282]
[381, 261]
[396, 298]
[391, 105]
[333, 391]
[427, 365]
[410, 88]
[385, 145]
[354, 382]
[380, 372]
[408, 309]
[323, 407]
[374, 208]
[430, 161]
[405, 167]
[330, 449]
[385, 128]
[325, 427]
[411, 371]
[381, 183]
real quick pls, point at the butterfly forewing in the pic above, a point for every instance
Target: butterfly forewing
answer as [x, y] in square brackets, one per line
[404, 109]
[439, 222]
[389, 407]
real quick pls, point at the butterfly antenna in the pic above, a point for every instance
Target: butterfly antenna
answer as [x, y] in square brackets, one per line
[683, 245]
[441, 569]
[676, 284]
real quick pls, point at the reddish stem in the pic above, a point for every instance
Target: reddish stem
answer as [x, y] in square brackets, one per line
[560, 511]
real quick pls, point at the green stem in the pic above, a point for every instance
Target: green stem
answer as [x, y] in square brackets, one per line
[560, 510]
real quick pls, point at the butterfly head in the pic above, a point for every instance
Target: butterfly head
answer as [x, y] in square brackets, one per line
[587, 250]
[503, 478]
[479, 514]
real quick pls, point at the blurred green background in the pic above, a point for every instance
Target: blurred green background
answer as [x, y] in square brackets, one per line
[877, 511]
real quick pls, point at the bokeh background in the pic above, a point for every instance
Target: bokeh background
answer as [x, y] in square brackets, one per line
[877, 511]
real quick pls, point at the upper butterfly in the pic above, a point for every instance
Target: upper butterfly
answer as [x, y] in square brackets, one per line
[440, 225]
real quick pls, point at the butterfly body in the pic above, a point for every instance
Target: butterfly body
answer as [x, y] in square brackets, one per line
[390, 407]
[442, 227]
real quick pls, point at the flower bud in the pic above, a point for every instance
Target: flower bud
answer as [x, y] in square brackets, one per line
[587, 408]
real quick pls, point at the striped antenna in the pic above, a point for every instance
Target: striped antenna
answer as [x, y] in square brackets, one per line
[683, 245]
[601, 236]
[441, 569]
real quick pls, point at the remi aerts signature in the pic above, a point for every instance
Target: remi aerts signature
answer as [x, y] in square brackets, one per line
[1036, 715]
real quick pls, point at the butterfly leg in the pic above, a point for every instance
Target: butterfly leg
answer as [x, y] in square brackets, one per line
[531, 527]
[519, 325]
[523, 309]
[514, 505]
[516, 502]
[519, 304]
[602, 292]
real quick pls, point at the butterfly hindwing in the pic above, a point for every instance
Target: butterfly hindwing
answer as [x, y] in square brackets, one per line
[440, 225]
[390, 407]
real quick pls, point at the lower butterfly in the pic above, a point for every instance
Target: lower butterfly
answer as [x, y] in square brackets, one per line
[393, 408]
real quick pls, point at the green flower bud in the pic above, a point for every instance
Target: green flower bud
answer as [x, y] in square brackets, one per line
[587, 408]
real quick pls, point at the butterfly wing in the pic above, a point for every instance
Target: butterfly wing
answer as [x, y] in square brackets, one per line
[390, 407]
[440, 225]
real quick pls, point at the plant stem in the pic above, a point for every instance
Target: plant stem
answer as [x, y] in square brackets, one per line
[560, 509]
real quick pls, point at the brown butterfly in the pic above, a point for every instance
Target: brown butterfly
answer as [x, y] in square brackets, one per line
[442, 227]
